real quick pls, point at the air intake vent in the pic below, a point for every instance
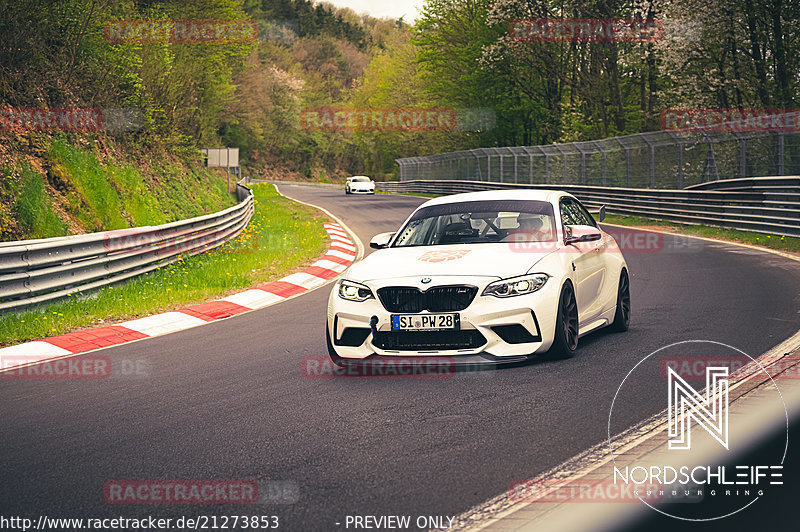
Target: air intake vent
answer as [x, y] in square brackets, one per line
[428, 340]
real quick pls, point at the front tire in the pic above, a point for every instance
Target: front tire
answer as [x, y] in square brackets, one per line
[622, 317]
[565, 342]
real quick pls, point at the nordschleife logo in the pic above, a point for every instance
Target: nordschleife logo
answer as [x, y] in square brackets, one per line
[720, 443]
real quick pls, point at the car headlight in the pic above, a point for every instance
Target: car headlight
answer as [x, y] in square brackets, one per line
[516, 286]
[354, 291]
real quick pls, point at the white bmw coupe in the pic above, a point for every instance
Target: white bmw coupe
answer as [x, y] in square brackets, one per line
[482, 277]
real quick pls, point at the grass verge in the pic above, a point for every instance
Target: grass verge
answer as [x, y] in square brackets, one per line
[111, 194]
[781, 243]
[282, 236]
[33, 208]
[60, 188]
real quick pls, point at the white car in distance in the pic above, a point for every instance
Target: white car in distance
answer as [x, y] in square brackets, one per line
[359, 184]
[482, 277]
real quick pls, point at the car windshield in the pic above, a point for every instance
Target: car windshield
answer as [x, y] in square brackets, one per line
[479, 222]
[360, 180]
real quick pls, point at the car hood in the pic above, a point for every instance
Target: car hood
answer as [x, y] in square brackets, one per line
[481, 260]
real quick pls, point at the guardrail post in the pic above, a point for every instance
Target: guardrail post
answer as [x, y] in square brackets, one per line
[530, 163]
[605, 165]
[679, 142]
[583, 162]
[563, 156]
[478, 174]
[516, 175]
[742, 156]
[546, 168]
[711, 161]
[627, 161]
[652, 161]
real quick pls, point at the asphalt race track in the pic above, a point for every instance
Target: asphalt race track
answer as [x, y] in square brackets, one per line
[228, 401]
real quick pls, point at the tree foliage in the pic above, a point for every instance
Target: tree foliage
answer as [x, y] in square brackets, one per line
[458, 54]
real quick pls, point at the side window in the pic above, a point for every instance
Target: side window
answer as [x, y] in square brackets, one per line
[572, 213]
[568, 213]
[588, 219]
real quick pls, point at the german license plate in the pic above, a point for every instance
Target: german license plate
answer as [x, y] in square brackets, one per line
[424, 322]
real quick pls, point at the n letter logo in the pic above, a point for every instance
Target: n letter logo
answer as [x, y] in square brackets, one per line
[710, 412]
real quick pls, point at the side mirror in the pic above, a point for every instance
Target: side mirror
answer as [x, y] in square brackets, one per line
[599, 214]
[581, 233]
[381, 241]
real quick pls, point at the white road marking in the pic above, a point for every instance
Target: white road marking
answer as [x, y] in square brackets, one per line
[163, 323]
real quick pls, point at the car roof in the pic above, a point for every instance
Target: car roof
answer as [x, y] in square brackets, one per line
[510, 194]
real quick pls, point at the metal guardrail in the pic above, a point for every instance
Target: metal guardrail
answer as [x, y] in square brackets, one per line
[38, 271]
[770, 206]
[764, 184]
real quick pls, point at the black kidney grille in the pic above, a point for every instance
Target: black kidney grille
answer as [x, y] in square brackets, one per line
[449, 298]
[401, 299]
[437, 299]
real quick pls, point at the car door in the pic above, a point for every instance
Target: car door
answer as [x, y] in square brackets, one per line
[587, 262]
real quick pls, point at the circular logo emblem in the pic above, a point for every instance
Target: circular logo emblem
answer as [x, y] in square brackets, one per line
[442, 256]
[699, 463]
[426, 280]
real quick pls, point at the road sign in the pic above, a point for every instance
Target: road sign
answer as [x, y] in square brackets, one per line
[221, 157]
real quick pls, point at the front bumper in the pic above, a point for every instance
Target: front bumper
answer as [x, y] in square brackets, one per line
[491, 329]
[362, 191]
